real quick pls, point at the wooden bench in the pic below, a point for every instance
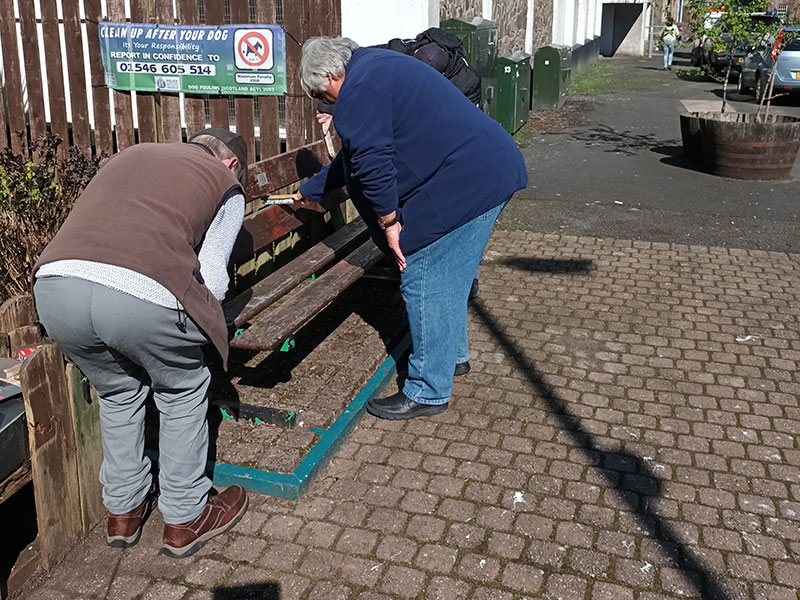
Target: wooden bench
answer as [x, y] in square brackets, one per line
[266, 326]
[64, 460]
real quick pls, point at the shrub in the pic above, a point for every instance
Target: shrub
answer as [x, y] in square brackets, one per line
[36, 196]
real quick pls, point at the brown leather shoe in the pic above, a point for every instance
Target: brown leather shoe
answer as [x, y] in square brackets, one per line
[223, 510]
[124, 530]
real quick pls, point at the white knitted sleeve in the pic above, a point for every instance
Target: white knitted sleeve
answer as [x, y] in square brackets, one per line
[215, 251]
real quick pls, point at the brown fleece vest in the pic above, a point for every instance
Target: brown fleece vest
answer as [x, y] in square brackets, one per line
[147, 210]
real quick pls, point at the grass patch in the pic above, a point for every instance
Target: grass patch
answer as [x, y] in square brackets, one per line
[523, 136]
[693, 74]
[594, 78]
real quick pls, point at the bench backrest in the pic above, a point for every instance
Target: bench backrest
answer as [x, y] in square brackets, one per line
[268, 224]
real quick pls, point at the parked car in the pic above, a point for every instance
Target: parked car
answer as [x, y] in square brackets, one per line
[704, 52]
[758, 63]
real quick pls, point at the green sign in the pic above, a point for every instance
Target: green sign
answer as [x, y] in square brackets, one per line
[199, 59]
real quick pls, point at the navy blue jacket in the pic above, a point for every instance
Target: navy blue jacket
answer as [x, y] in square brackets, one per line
[412, 142]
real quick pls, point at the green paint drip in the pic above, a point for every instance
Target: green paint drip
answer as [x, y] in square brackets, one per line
[287, 345]
[225, 414]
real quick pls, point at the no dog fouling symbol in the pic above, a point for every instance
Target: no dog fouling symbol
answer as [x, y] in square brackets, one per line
[253, 49]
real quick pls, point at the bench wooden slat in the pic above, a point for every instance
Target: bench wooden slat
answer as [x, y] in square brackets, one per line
[272, 223]
[274, 326]
[276, 172]
[248, 304]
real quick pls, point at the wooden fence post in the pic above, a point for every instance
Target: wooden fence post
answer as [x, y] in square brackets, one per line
[268, 105]
[51, 436]
[13, 78]
[14, 313]
[218, 105]
[85, 410]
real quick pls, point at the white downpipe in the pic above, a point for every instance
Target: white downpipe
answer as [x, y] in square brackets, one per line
[569, 22]
[557, 35]
[529, 28]
[487, 9]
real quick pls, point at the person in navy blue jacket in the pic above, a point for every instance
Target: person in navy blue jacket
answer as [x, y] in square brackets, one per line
[429, 173]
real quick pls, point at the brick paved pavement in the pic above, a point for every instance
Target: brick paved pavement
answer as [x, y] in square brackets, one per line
[629, 430]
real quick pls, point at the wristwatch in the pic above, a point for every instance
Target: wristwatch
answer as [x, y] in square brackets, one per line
[384, 224]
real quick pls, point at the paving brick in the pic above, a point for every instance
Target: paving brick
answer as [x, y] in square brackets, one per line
[244, 548]
[574, 534]
[620, 544]
[320, 564]
[208, 573]
[387, 520]
[396, 549]
[283, 556]
[479, 567]
[403, 582]
[356, 541]
[765, 591]
[447, 588]
[283, 527]
[161, 590]
[636, 573]
[522, 578]
[787, 573]
[610, 591]
[751, 568]
[546, 554]
[436, 558]
[425, 528]
[127, 587]
[680, 582]
[326, 590]
[565, 586]
[588, 562]
[318, 534]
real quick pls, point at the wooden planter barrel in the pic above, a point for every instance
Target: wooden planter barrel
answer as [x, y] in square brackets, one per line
[692, 137]
[739, 146]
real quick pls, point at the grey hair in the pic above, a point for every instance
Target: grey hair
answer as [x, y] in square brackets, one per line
[323, 56]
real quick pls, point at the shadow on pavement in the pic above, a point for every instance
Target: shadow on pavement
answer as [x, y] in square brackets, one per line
[674, 156]
[632, 478]
[252, 591]
[550, 265]
[624, 142]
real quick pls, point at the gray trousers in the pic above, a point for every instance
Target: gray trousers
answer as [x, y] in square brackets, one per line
[128, 347]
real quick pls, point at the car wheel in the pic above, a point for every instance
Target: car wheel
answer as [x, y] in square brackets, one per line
[741, 87]
[760, 87]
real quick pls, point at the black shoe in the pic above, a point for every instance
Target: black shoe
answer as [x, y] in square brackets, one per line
[473, 291]
[399, 406]
[462, 368]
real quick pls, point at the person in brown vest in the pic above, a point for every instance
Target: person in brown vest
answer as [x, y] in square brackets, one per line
[130, 289]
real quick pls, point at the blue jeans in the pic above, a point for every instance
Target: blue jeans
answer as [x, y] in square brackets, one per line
[669, 50]
[435, 286]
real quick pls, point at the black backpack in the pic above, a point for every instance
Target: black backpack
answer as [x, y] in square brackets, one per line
[458, 71]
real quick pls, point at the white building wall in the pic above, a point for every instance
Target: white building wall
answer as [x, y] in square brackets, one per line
[375, 22]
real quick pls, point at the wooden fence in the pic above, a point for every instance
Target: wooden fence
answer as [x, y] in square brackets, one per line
[38, 28]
